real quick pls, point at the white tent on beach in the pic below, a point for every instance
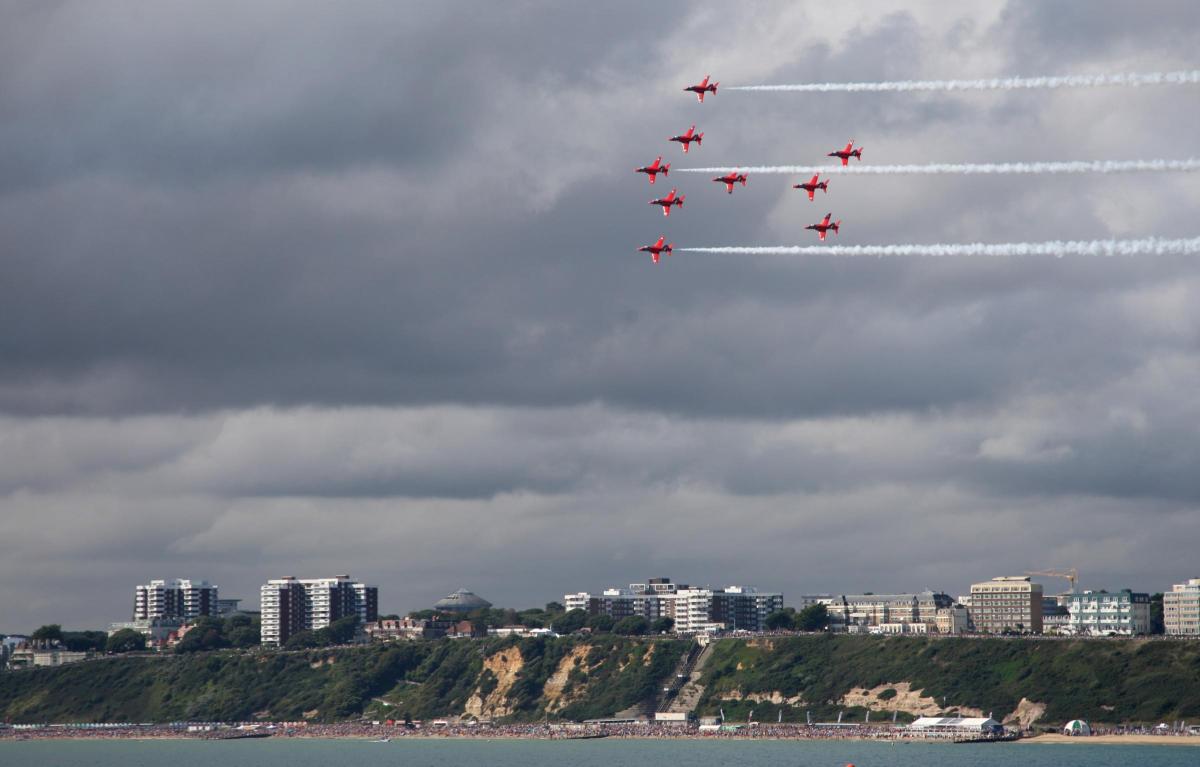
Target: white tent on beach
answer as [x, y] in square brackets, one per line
[1077, 727]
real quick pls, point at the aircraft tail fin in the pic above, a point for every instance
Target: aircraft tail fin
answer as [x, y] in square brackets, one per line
[837, 225]
[699, 138]
[681, 200]
[666, 169]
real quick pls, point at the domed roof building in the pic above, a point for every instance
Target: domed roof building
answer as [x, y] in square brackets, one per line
[461, 601]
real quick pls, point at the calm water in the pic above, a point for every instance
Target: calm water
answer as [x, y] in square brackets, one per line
[594, 753]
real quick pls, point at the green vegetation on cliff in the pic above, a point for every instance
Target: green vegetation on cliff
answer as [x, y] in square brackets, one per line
[420, 680]
[576, 678]
[1099, 680]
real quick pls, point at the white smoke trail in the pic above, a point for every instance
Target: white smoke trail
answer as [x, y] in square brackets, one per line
[1074, 166]
[993, 84]
[1150, 246]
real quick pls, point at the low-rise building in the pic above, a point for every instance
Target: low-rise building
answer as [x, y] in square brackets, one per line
[1181, 608]
[43, 653]
[954, 619]
[156, 630]
[1008, 604]
[1103, 613]
[1056, 619]
[408, 628]
[866, 610]
[693, 609]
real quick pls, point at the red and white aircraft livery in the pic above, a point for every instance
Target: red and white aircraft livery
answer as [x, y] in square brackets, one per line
[730, 179]
[847, 153]
[656, 249]
[655, 168]
[702, 88]
[825, 226]
[668, 201]
[688, 138]
[812, 186]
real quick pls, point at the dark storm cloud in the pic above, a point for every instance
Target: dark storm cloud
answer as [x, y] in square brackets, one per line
[302, 269]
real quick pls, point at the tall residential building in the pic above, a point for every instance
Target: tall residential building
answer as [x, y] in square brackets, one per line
[179, 598]
[1007, 604]
[1100, 613]
[1181, 608]
[290, 605]
[692, 608]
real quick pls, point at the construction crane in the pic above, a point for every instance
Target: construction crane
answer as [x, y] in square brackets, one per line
[1071, 574]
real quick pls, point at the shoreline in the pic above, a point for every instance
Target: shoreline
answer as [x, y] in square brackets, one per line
[376, 735]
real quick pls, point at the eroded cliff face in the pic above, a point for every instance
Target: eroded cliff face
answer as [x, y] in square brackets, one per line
[905, 699]
[504, 666]
[554, 692]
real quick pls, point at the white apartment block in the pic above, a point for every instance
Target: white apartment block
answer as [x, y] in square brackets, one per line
[1007, 604]
[1181, 609]
[1100, 613]
[179, 598]
[694, 610]
[290, 605]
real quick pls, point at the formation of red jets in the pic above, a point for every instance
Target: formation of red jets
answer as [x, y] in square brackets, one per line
[689, 137]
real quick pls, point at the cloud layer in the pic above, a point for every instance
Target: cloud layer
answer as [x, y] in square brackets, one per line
[291, 289]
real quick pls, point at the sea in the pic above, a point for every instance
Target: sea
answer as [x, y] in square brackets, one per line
[580, 753]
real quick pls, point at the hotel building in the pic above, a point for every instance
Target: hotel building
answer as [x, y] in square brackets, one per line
[1100, 613]
[1007, 604]
[1181, 609]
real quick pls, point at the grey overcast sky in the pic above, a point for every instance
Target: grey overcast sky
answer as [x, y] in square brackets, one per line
[309, 288]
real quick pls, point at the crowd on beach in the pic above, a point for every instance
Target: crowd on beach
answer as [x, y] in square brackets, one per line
[451, 729]
[381, 731]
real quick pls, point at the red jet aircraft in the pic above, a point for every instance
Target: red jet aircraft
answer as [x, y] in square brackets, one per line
[657, 249]
[812, 186]
[729, 179]
[847, 153]
[825, 226]
[668, 201]
[702, 88]
[656, 167]
[688, 138]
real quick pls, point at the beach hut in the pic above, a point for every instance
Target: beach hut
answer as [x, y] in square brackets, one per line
[1077, 727]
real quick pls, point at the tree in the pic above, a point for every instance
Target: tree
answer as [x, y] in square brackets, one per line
[600, 622]
[571, 622]
[203, 634]
[1156, 614]
[813, 618]
[51, 632]
[83, 641]
[782, 620]
[663, 625]
[634, 625]
[302, 640]
[243, 637]
[555, 607]
[342, 630]
[125, 640]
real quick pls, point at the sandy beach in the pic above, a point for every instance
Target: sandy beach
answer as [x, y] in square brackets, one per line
[1121, 740]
